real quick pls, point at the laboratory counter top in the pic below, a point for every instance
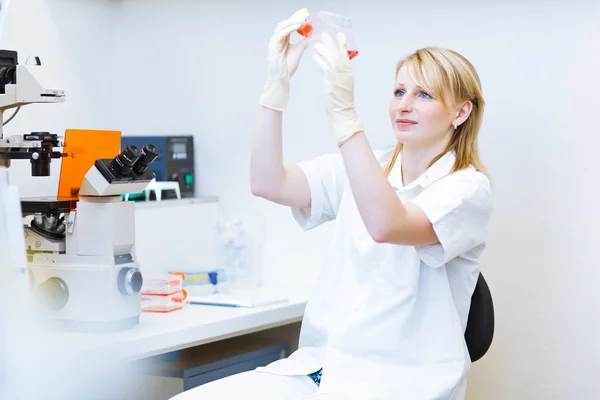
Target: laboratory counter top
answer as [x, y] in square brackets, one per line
[194, 325]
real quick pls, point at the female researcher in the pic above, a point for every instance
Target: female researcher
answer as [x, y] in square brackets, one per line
[387, 317]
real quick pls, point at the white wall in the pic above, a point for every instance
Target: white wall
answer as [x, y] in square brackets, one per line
[197, 66]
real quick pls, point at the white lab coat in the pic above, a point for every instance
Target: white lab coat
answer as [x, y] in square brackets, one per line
[387, 321]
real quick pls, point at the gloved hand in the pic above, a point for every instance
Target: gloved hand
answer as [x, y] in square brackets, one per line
[283, 59]
[332, 58]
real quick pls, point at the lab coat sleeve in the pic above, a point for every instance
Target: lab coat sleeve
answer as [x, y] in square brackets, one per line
[459, 206]
[326, 178]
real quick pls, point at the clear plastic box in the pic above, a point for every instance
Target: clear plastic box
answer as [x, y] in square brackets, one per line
[325, 21]
[162, 285]
[163, 303]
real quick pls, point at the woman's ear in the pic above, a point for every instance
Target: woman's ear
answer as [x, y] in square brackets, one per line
[463, 113]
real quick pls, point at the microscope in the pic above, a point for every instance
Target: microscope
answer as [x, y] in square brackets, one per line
[81, 272]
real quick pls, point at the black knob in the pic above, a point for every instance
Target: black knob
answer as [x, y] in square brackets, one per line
[40, 160]
[129, 281]
[52, 294]
[149, 154]
[123, 162]
[7, 76]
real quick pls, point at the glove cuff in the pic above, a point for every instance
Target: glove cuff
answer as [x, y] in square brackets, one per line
[276, 91]
[345, 129]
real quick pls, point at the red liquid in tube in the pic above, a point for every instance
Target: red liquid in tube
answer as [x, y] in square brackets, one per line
[306, 30]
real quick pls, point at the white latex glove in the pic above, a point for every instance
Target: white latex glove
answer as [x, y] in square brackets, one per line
[332, 58]
[283, 59]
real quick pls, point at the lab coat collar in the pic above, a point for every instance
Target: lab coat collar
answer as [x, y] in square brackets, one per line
[439, 169]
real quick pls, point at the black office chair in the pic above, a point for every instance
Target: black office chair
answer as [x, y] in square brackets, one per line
[480, 323]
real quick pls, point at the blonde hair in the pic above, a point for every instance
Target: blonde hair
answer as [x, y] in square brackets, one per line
[450, 77]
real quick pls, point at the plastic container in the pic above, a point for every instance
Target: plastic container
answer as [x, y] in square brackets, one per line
[325, 21]
[203, 283]
[163, 293]
[162, 285]
[163, 303]
[239, 245]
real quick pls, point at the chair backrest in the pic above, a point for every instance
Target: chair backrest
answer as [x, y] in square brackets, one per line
[480, 324]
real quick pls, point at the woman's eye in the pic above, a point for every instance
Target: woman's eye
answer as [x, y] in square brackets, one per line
[425, 95]
[399, 93]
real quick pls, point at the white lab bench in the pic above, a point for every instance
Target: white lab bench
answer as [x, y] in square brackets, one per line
[196, 325]
[212, 341]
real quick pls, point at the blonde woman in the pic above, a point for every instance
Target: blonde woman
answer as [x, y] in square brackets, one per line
[388, 314]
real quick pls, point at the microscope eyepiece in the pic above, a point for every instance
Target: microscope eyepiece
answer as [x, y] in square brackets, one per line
[123, 162]
[149, 153]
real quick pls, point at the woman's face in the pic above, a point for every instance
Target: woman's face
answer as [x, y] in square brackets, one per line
[417, 117]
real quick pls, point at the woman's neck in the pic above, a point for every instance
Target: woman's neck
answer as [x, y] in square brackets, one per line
[416, 160]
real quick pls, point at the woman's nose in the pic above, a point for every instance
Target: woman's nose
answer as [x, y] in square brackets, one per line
[404, 104]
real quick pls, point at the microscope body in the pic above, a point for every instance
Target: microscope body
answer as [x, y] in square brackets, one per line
[88, 280]
[82, 271]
